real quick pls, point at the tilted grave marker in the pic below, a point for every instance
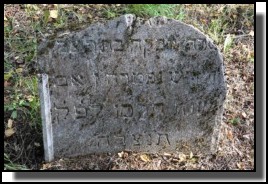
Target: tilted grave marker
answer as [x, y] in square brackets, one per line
[131, 84]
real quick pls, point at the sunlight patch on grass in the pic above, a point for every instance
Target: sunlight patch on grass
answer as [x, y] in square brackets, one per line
[146, 10]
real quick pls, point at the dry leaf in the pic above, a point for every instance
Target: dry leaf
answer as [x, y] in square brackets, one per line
[247, 136]
[120, 154]
[37, 144]
[158, 163]
[240, 165]
[125, 155]
[46, 166]
[182, 157]
[167, 154]
[251, 33]
[193, 160]
[191, 155]
[9, 132]
[9, 123]
[175, 160]
[145, 158]
[230, 135]
[53, 14]
[5, 17]
[30, 98]
[244, 114]
[19, 70]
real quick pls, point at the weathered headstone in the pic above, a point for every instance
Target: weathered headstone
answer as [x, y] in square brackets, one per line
[131, 84]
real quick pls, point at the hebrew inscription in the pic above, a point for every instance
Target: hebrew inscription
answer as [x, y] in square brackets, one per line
[144, 85]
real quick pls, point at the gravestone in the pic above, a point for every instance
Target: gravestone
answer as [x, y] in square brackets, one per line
[152, 85]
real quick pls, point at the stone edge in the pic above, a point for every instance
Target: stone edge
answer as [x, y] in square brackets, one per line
[46, 117]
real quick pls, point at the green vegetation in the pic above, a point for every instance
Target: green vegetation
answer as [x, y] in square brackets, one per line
[227, 43]
[149, 10]
[235, 121]
[9, 165]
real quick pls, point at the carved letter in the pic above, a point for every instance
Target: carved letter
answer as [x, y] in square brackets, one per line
[103, 141]
[123, 78]
[160, 45]
[119, 140]
[200, 44]
[163, 140]
[106, 45]
[126, 110]
[189, 46]
[89, 45]
[136, 44]
[151, 78]
[111, 79]
[136, 139]
[62, 111]
[138, 78]
[61, 80]
[77, 80]
[148, 46]
[148, 138]
[188, 109]
[118, 45]
[175, 76]
[80, 112]
[159, 111]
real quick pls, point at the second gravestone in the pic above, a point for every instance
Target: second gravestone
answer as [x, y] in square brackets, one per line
[131, 84]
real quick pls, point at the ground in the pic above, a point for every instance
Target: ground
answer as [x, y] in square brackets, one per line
[231, 27]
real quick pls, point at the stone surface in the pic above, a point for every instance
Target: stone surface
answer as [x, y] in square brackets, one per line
[131, 84]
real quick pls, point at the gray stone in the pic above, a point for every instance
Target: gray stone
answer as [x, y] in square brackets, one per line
[152, 85]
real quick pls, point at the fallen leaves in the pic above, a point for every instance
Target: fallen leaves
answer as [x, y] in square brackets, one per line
[244, 115]
[120, 154]
[182, 157]
[230, 135]
[37, 144]
[30, 98]
[9, 132]
[251, 33]
[167, 154]
[191, 155]
[241, 165]
[145, 158]
[9, 123]
[53, 14]
[46, 166]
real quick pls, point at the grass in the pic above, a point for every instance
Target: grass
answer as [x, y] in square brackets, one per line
[235, 121]
[9, 165]
[21, 92]
[227, 43]
[21, 32]
[147, 10]
[150, 10]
